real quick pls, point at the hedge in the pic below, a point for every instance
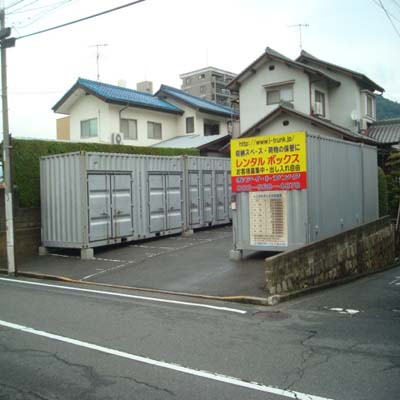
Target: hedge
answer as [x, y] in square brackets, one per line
[26, 155]
[393, 175]
[383, 193]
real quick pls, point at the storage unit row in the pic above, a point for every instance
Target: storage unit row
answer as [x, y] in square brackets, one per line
[93, 199]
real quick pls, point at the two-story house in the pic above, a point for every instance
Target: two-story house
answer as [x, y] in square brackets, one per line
[99, 112]
[278, 94]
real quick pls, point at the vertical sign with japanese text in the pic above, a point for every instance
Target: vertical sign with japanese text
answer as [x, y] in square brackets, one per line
[273, 162]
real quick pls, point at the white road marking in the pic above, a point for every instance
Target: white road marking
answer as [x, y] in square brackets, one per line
[396, 281]
[163, 364]
[347, 311]
[129, 296]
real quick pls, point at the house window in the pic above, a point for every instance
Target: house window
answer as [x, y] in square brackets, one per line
[211, 128]
[187, 80]
[319, 103]
[202, 76]
[202, 89]
[280, 94]
[370, 106]
[89, 128]
[129, 128]
[154, 130]
[189, 124]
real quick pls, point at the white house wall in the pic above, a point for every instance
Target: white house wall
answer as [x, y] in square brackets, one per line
[88, 107]
[253, 99]
[142, 116]
[343, 99]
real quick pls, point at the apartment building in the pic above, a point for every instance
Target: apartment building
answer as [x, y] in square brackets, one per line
[209, 83]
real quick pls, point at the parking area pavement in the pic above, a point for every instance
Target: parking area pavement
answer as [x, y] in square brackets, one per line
[197, 264]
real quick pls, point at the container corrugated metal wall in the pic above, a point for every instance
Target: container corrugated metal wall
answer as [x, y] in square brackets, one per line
[93, 199]
[209, 191]
[342, 192]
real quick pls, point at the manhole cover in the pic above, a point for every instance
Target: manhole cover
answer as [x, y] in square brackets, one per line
[271, 315]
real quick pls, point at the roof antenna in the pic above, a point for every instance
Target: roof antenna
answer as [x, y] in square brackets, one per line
[299, 26]
[98, 57]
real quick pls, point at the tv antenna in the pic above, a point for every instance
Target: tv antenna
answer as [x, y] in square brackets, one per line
[98, 57]
[299, 26]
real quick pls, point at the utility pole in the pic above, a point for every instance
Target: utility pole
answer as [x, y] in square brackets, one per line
[8, 190]
[98, 57]
[299, 26]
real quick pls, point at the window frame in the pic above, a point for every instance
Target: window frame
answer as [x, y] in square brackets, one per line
[152, 135]
[278, 88]
[190, 129]
[323, 95]
[89, 121]
[370, 98]
[126, 135]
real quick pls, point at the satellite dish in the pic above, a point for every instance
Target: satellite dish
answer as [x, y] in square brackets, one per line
[354, 115]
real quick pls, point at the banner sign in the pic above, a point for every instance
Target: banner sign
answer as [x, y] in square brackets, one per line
[273, 162]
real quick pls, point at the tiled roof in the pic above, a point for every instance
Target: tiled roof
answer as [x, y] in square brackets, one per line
[191, 141]
[305, 56]
[386, 131]
[120, 95]
[196, 102]
[273, 54]
[347, 133]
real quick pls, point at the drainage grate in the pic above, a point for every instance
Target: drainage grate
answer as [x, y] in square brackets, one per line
[272, 315]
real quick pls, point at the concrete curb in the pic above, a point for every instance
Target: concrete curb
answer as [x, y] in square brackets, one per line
[261, 301]
[272, 300]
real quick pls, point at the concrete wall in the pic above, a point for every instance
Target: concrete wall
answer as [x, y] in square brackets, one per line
[27, 231]
[253, 97]
[365, 249]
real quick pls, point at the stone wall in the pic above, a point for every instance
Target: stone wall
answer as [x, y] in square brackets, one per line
[27, 230]
[361, 250]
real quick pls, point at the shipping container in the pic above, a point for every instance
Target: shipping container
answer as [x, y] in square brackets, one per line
[95, 199]
[341, 193]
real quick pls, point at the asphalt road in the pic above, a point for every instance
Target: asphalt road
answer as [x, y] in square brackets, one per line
[62, 343]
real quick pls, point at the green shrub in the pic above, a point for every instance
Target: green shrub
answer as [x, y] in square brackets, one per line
[26, 155]
[393, 175]
[383, 193]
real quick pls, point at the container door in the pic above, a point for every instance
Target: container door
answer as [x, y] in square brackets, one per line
[99, 207]
[220, 196]
[194, 198]
[157, 202]
[228, 200]
[174, 201]
[121, 192]
[207, 197]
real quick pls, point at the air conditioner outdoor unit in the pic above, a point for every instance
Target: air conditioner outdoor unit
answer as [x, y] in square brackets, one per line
[117, 138]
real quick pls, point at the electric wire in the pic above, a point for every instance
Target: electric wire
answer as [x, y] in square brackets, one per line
[389, 17]
[81, 19]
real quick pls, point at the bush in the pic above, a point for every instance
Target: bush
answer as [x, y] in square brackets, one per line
[393, 175]
[383, 193]
[26, 155]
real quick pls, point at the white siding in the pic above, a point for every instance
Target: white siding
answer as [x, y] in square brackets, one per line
[253, 102]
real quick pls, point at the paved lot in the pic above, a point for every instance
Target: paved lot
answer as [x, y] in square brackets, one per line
[197, 264]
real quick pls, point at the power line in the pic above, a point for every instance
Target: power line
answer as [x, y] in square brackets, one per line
[24, 10]
[16, 3]
[81, 19]
[389, 17]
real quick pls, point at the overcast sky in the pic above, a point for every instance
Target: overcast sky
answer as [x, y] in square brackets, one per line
[159, 39]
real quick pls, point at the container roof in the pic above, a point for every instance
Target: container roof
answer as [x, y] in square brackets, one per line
[113, 94]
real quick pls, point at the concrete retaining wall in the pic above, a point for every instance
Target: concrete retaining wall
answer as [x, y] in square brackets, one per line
[27, 230]
[364, 249]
